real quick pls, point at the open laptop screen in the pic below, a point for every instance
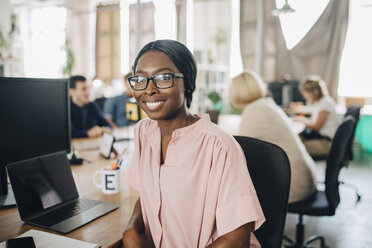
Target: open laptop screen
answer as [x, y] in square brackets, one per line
[41, 183]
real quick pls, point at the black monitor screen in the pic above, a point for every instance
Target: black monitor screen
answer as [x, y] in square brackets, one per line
[34, 118]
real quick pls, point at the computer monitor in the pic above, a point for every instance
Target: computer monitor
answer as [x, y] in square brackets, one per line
[286, 92]
[34, 120]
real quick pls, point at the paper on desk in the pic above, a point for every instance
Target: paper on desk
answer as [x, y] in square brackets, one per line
[45, 239]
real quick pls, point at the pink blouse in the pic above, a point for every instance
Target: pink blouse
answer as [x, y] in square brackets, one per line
[201, 192]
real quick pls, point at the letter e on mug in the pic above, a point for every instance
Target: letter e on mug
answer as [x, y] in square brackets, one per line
[109, 180]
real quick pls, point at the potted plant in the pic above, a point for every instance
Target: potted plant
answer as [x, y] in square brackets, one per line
[4, 46]
[67, 69]
[217, 106]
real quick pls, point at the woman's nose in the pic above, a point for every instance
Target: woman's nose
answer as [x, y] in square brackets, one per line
[151, 88]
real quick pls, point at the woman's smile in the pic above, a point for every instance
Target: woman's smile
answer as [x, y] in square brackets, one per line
[154, 105]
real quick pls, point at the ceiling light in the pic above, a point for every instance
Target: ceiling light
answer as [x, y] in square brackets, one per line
[285, 9]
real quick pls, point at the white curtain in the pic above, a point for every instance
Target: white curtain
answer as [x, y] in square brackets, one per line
[319, 52]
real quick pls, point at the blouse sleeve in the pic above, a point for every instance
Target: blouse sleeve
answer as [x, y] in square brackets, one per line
[131, 175]
[326, 104]
[237, 200]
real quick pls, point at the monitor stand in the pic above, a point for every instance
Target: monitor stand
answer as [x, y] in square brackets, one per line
[7, 201]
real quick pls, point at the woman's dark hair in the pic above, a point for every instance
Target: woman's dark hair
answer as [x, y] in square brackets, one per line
[180, 56]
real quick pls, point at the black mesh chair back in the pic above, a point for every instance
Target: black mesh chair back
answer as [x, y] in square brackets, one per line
[323, 203]
[336, 160]
[270, 171]
[354, 111]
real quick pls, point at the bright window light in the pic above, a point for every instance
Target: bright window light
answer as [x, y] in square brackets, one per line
[297, 24]
[236, 64]
[165, 19]
[46, 55]
[355, 76]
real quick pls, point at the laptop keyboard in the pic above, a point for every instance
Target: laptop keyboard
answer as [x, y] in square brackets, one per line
[65, 212]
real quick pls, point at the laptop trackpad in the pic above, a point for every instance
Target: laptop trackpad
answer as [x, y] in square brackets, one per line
[83, 218]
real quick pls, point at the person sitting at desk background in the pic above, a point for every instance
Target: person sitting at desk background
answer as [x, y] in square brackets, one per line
[182, 159]
[86, 118]
[323, 124]
[263, 119]
[115, 107]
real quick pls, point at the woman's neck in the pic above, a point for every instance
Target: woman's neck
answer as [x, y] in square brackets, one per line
[168, 126]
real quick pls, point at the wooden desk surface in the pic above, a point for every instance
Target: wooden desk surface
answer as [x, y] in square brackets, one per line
[106, 230]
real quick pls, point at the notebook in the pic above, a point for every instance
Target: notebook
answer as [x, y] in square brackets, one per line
[46, 194]
[46, 240]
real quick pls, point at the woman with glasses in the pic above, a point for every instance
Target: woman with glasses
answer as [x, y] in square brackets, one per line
[192, 179]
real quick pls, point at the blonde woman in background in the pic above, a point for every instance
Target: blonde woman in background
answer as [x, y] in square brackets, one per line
[322, 125]
[263, 119]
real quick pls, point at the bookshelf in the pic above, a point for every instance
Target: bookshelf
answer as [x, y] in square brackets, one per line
[211, 77]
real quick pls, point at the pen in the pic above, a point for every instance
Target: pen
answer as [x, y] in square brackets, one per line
[114, 166]
[121, 154]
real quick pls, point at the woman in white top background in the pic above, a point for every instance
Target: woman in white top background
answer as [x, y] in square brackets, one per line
[263, 119]
[322, 125]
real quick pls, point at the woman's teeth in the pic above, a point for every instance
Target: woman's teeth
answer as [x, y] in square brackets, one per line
[153, 104]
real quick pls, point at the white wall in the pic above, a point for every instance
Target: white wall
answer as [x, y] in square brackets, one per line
[5, 12]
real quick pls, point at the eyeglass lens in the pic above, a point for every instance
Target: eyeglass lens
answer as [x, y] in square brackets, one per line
[160, 80]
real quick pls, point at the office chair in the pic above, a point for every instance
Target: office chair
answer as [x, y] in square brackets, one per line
[354, 111]
[270, 172]
[100, 102]
[323, 202]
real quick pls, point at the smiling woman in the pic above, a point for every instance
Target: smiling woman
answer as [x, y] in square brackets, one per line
[170, 100]
[182, 158]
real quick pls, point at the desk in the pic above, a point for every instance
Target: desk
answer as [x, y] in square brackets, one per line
[106, 230]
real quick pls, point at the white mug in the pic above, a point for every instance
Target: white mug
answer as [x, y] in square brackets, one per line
[110, 180]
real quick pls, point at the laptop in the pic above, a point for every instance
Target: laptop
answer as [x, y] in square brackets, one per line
[46, 194]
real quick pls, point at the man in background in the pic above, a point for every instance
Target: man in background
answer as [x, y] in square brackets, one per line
[115, 107]
[86, 118]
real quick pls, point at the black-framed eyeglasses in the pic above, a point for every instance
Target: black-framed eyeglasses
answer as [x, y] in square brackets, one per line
[161, 81]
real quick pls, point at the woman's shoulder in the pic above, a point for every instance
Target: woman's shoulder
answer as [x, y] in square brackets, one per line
[327, 100]
[327, 103]
[264, 105]
[265, 102]
[144, 124]
[221, 138]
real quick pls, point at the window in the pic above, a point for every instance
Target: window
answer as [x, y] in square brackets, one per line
[157, 20]
[107, 42]
[297, 24]
[45, 54]
[355, 76]
[147, 31]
